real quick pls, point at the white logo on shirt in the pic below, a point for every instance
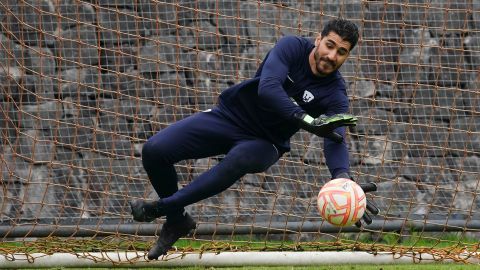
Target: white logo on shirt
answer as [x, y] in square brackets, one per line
[307, 96]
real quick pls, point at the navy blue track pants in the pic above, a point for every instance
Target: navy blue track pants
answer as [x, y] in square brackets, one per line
[202, 135]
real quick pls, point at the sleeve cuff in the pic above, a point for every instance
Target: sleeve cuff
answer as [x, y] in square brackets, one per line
[343, 175]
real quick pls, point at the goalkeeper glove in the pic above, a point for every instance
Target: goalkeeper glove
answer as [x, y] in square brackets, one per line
[324, 126]
[369, 187]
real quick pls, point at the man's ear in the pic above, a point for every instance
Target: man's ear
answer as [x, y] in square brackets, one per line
[318, 39]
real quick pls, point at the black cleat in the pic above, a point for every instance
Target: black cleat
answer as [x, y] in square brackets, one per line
[143, 211]
[170, 233]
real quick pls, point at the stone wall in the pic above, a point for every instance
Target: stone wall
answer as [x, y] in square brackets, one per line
[85, 83]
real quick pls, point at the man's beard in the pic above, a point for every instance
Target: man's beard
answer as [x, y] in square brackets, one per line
[318, 60]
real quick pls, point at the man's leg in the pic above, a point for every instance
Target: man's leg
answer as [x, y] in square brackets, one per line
[249, 156]
[200, 135]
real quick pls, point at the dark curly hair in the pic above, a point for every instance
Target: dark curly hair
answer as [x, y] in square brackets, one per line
[346, 29]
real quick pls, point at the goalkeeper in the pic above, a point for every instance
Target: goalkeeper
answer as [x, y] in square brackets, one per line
[297, 86]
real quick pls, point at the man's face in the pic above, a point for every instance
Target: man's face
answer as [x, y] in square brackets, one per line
[329, 54]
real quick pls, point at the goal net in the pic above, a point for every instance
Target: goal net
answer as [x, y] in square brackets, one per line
[84, 83]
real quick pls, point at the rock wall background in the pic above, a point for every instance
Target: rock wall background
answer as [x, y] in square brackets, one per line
[85, 83]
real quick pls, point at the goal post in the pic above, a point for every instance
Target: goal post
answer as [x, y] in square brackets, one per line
[223, 259]
[84, 83]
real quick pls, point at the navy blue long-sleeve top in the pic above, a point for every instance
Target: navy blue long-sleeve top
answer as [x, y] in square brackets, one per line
[283, 86]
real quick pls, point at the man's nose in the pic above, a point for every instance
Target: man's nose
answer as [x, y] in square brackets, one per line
[332, 55]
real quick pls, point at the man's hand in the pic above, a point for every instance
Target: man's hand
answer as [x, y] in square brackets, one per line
[324, 126]
[371, 208]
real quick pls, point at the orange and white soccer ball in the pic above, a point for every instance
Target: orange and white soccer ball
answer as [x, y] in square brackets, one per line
[341, 202]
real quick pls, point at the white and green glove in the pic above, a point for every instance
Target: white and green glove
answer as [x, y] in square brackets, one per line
[324, 126]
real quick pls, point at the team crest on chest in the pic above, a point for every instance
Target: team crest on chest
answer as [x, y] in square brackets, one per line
[307, 96]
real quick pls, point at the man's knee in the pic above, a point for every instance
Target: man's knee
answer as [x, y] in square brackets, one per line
[155, 150]
[147, 150]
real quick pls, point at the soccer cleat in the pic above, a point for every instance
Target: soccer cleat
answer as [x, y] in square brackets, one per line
[170, 233]
[143, 211]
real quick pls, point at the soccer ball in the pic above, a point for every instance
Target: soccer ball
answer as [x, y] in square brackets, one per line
[341, 202]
